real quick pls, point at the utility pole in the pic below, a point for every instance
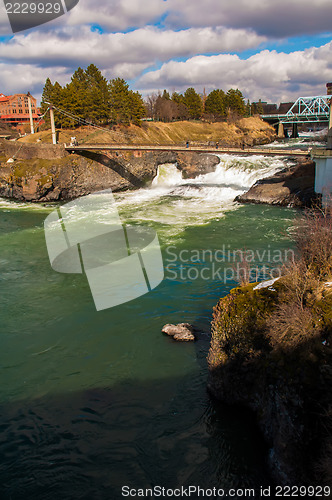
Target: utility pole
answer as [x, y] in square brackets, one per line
[30, 113]
[52, 125]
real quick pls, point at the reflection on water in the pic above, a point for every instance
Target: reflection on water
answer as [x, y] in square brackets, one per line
[90, 444]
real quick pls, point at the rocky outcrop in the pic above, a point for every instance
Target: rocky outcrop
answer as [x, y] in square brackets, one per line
[292, 187]
[182, 332]
[193, 164]
[287, 386]
[26, 151]
[42, 173]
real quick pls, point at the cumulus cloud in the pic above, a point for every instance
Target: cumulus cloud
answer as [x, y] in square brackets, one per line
[268, 74]
[27, 78]
[142, 46]
[197, 42]
[273, 19]
[117, 15]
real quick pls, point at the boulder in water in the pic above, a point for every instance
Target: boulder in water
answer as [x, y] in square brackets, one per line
[182, 332]
[293, 187]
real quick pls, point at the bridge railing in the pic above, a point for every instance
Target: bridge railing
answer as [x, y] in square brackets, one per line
[305, 110]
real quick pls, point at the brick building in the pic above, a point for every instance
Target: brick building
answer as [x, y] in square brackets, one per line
[14, 109]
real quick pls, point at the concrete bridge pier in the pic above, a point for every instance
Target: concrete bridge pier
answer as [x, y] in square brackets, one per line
[281, 131]
[295, 132]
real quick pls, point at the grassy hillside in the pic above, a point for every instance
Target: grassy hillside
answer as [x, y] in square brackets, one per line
[249, 130]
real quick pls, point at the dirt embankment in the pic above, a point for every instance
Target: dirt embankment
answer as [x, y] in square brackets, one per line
[248, 131]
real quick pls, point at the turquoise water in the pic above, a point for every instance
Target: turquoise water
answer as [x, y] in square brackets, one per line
[91, 401]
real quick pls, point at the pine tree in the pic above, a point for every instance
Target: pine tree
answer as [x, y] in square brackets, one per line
[235, 102]
[119, 101]
[97, 96]
[248, 108]
[215, 104]
[137, 108]
[260, 109]
[178, 98]
[46, 100]
[166, 95]
[193, 103]
[89, 97]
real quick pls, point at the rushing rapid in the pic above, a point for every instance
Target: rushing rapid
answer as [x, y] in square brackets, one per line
[176, 202]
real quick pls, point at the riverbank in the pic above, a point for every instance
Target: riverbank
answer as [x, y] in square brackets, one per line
[43, 172]
[271, 352]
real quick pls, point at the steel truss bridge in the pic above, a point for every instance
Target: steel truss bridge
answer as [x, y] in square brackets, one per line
[305, 110]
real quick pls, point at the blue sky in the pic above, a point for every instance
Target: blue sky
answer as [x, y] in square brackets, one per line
[270, 50]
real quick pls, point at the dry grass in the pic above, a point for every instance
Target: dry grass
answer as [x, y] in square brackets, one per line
[314, 241]
[253, 129]
[290, 325]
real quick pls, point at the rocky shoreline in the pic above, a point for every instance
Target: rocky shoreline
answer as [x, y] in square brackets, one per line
[291, 187]
[46, 173]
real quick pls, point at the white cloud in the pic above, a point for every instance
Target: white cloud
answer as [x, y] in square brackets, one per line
[116, 15]
[28, 78]
[75, 46]
[270, 18]
[279, 19]
[268, 74]
[195, 30]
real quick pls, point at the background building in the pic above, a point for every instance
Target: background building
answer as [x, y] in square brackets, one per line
[14, 109]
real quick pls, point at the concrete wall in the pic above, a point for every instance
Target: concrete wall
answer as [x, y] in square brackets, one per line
[323, 178]
[26, 151]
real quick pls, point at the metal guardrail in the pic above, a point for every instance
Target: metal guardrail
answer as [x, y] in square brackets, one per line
[219, 150]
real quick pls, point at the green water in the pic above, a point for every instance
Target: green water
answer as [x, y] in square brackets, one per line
[93, 400]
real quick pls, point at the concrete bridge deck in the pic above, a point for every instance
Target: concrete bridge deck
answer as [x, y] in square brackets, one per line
[193, 149]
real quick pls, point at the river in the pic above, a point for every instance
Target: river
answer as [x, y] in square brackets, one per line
[92, 401]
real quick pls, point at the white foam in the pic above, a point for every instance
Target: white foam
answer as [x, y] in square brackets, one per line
[178, 203]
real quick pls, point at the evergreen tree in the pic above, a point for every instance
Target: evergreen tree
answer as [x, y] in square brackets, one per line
[235, 102]
[75, 93]
[248, 108]
[97, 96]
[193, 103]
[259, 109]
[137, 108]
[119, 101]
[58, 96]
[53, 95]
[178, 98]
[215, 104]
[166, 95]
[46, 100]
